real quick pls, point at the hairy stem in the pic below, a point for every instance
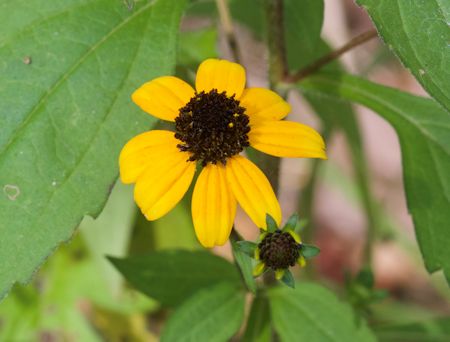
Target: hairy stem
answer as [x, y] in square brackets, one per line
[276, 42]
[321, 62]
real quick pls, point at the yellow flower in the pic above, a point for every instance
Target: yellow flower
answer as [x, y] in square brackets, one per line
[213, 124]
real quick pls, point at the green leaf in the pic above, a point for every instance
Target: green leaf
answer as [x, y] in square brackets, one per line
[65, 113]
[271, 224]
[423, 128]
[258, 327]
[244, 262]
[303, 24]
[210, 315]
[171, 276]
[196, 46]
[288, 279]
[312, 313]
[309, 251]
[418, 33]
[436, 330]
[247, 247]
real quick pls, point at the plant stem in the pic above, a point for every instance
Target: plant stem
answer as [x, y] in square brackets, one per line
[227, 24]
[277, 70]
[321, 62]
[276, 42]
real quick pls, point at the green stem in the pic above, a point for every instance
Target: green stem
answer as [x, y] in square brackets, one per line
[277, 70]
[276, 41]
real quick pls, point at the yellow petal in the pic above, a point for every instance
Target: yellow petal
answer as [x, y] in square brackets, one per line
[163, 183]
[144, 148]
[221, 75]
[213, 206]
[252, 190]
[163, 97]
[263, 104]
[287, 139]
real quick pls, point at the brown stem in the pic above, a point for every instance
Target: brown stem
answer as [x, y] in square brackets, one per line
[227, 24]
[321, 62]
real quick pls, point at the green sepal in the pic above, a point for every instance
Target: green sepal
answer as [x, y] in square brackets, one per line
[291, 223]
[247, 247]
[271, 224]
[288, 279]
[244, 263]
[309, 251]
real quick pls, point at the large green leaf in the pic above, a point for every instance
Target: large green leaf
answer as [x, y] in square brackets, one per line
[210, 315]
[303, 24]
[312, 313]
[423, 128]
[67, 71]
[171, 276]
[418, 32]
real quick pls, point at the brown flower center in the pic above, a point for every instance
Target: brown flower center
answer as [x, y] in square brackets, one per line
[212, 127]
[279, 250]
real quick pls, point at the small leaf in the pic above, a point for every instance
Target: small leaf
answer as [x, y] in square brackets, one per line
[212, 315]
[309, 251]
[171, 276]
[288, 279]
[312, 313]
[271, 224]
[247, 247]
[258, 324]
[244, 262]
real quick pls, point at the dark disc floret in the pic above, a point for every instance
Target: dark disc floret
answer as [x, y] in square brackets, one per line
[212, 127]
[279, 250]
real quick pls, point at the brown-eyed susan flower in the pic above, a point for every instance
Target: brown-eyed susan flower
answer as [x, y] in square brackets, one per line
[213, 125]
[279, 249]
